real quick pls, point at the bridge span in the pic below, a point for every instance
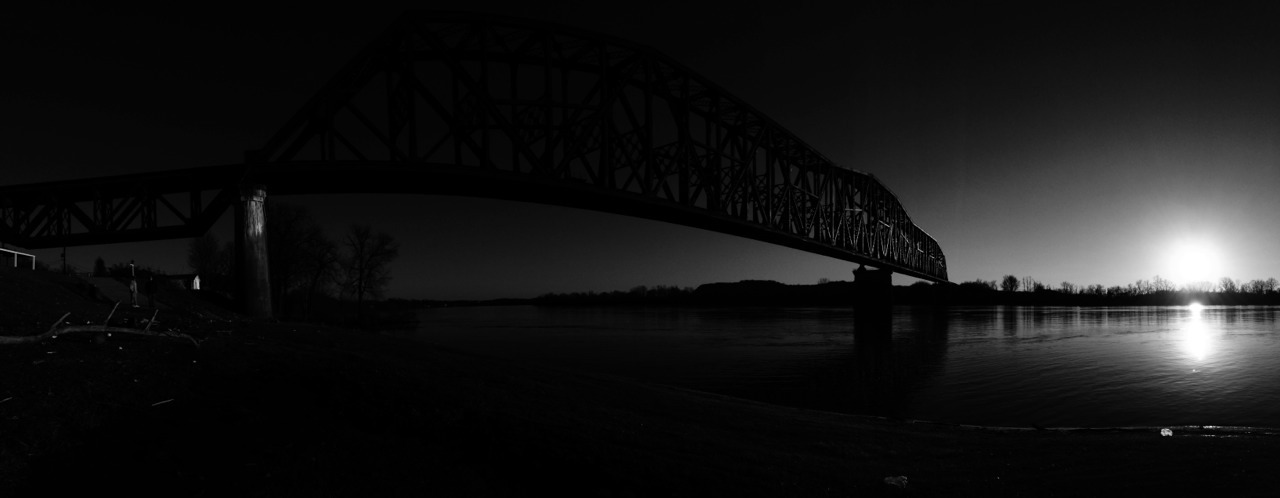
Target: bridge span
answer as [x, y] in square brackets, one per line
[448, 103]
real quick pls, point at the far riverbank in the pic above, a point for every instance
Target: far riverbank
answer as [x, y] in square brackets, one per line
[841, 293]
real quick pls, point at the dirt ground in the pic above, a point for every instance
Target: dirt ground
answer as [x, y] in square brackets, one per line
[278, 409]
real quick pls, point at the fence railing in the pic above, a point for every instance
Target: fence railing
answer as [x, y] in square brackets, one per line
[15, 257]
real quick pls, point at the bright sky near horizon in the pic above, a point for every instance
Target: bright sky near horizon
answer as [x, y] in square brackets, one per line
[1096, 146]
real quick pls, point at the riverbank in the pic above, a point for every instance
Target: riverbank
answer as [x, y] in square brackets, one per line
[287, 409]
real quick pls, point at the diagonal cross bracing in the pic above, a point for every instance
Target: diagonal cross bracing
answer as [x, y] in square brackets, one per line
[562, 105]
[124, 208]
[455, 103]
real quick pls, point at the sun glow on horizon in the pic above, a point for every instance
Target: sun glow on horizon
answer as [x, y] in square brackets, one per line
[1193, 261]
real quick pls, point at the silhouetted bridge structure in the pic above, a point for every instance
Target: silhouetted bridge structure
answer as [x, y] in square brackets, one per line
[447, 103]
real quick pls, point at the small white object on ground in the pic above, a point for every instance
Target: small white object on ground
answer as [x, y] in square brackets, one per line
[1166, 432]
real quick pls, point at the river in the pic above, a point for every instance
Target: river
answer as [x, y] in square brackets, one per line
[999, 366]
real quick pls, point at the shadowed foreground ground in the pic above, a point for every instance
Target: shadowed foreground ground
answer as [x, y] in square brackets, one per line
[273, 410]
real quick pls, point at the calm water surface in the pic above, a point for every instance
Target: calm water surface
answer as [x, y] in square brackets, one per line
[1007, 366]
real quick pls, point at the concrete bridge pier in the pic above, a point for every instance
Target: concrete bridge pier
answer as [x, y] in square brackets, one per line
[873, 303]
[253, 282]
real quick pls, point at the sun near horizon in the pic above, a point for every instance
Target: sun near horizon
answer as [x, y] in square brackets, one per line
[1193, 260]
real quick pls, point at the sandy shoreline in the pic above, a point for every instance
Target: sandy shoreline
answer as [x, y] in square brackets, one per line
[285, 409]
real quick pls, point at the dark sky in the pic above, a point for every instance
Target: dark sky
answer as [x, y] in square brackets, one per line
[1073, 143]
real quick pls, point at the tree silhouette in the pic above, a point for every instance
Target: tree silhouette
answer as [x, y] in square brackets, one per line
[365, 265]
[1161, 284]
[1009, 283]
[319, 267]
[300, 256]
[1198, 286]
[207, 258]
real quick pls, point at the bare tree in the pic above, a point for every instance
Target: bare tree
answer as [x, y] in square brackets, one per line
[980, 284]
[1198, 286]
[1228, 285]
[365, 264]
[1009, 283]
[210, 260]
[1258, 286]
[293, 240]
[319, 266]
[1068, 288]
[1161, 284]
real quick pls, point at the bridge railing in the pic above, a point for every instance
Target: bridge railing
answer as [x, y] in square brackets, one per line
[15, 254]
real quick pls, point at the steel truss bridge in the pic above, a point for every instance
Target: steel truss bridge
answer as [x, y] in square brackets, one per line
[449, 103]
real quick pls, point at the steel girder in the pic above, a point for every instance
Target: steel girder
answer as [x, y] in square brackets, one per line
[451, 103]
[128, 208]
[560, 106]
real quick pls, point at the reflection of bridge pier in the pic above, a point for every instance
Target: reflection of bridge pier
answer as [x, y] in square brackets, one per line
[873, 302]
[252, 275]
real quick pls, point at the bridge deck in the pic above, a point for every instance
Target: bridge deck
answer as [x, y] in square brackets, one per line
[498, 107]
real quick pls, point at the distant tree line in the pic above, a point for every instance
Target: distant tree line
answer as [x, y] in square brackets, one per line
[746, 292]
[1158, 290]
[1156, 285]
[641, 294]
[1008, 290]
[306, 266]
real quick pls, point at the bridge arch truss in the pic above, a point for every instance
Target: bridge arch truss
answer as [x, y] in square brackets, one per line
[460, 104]
[501, 107]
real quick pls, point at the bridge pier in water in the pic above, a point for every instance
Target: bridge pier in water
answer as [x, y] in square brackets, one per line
[873, 303]
[253, 281]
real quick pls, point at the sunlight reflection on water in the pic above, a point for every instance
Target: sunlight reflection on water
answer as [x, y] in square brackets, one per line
[1008, 366]
[1196, 340]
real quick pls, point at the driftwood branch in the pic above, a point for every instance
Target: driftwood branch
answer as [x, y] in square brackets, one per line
[28, 339]
[54, 331]
[123, 330]
[111, 314]
[151, 321]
